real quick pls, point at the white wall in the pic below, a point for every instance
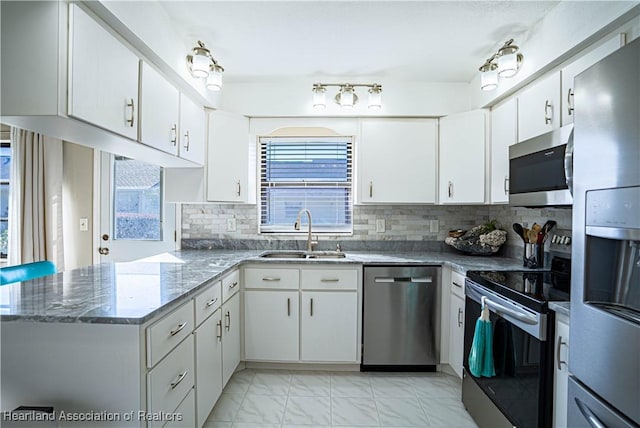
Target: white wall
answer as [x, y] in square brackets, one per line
[293, 98]
[77, 199]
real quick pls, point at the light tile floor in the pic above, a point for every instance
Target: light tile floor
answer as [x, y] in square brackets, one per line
[289, 399]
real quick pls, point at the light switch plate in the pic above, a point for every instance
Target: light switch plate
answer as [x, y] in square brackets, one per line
[231, 225]
[84, 224]
[380, 225]
[434, 226]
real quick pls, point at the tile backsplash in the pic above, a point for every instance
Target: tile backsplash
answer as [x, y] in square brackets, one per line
[403, 222]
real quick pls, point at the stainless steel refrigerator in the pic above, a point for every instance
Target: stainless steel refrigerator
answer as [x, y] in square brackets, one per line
[604, 355]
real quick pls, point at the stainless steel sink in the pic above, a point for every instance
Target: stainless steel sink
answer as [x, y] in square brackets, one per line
[303, 255]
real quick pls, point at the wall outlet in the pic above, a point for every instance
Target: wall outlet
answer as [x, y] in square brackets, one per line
[434, 226]
[380, 225]
[84, 224]
[231, 225]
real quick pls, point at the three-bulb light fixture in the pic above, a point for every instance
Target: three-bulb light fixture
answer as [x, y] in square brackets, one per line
[202, 65]
[506, 62]
[346, 96]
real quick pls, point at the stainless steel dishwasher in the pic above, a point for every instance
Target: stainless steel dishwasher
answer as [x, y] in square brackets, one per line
[401, 320]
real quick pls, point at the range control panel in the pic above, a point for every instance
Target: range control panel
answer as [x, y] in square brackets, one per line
[561, 241]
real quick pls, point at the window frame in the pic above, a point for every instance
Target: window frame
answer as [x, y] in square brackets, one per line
[349, 186]
[6, 143]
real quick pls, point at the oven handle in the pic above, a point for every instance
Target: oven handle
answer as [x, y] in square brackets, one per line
[588, 414]
[498, 308]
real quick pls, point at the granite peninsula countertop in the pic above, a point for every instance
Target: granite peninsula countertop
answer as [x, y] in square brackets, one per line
[135, 292]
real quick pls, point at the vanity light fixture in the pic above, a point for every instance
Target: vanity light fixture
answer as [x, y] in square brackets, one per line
[202, 65]
[346, 96]
[506, 62]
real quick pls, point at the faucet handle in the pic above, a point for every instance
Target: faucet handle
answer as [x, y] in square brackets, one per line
[314, 242]
[338, 248]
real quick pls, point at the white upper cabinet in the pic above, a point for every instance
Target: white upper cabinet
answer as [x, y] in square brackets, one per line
[462, 158]
[159, 110]
[504, 133]
[539, 107]
[397, 161]
[578, 66]
[228, 158]
[191, 137]
[103, 77]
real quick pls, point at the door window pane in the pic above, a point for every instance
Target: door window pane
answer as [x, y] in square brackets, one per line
[137, 200]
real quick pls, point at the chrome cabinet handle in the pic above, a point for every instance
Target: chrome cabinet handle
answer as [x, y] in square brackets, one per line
[456, 284]
[238, 188]
[558, 346]
[212, 301]
[178, 329]
[228, 323]
[179, 379]
[270, 279]
[588, 414]
[131, 104]
[459, 317]
[186, 140]
[219, 335]
[311, 311]
[450, 189]
[174, 135]
[506, 185]
[569, 103]
[371, 189]
[288, 307]
[235, 283]
[547, 106]
[330, 280]
[104, 251]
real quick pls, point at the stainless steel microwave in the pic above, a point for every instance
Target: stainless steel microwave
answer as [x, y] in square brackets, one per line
[540, 170]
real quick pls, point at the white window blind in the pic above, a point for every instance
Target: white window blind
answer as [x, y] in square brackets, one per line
[311, 173]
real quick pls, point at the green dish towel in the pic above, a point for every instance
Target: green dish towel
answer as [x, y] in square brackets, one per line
[481, 355]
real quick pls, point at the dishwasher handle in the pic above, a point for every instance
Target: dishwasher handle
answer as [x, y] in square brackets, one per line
[427, 279]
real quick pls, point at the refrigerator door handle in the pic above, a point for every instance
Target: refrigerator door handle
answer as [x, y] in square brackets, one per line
[591, 418]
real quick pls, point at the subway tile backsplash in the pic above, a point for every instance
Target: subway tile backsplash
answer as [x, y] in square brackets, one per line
[407, 223]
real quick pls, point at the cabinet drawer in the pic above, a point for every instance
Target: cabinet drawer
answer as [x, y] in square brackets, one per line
[165, 334]
[187, 410]
[170, 381]
[329, 279]
[271, 278]
[208, 301]
[457, 284]
[230, 285]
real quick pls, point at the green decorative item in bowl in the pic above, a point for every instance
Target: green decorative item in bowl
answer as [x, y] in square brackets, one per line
[482, 240]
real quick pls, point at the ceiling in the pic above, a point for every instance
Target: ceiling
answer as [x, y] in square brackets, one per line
[431, 41]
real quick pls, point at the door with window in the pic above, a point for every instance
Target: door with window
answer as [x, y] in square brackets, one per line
[135, 222]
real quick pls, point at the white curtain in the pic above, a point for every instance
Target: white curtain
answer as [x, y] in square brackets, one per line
[35, 201]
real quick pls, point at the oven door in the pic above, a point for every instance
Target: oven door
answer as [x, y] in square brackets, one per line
[523, 359]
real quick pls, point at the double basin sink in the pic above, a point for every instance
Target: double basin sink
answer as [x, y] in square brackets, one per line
[303, 255]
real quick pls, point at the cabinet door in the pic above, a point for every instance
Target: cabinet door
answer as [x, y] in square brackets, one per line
[191, 131]
[329, 324]
[572, 70]
[228, 157]
[397, 161]
[208, 339]
[456, 334]
[561, 378]
[462, 158]
[103, 77]
[230, 337]
[504, 121]
[271, 325]
[159, 110]
[539, 107]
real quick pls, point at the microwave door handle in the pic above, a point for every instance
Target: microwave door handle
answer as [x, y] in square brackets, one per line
[568, 165]
[588, 414]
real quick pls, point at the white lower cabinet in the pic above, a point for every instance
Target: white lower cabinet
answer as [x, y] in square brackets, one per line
[329, 324]
[314, 320]
[456, 323]
[186, 412]
[230, 337]
[561, 373]
[208, 343]
[271, 320]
